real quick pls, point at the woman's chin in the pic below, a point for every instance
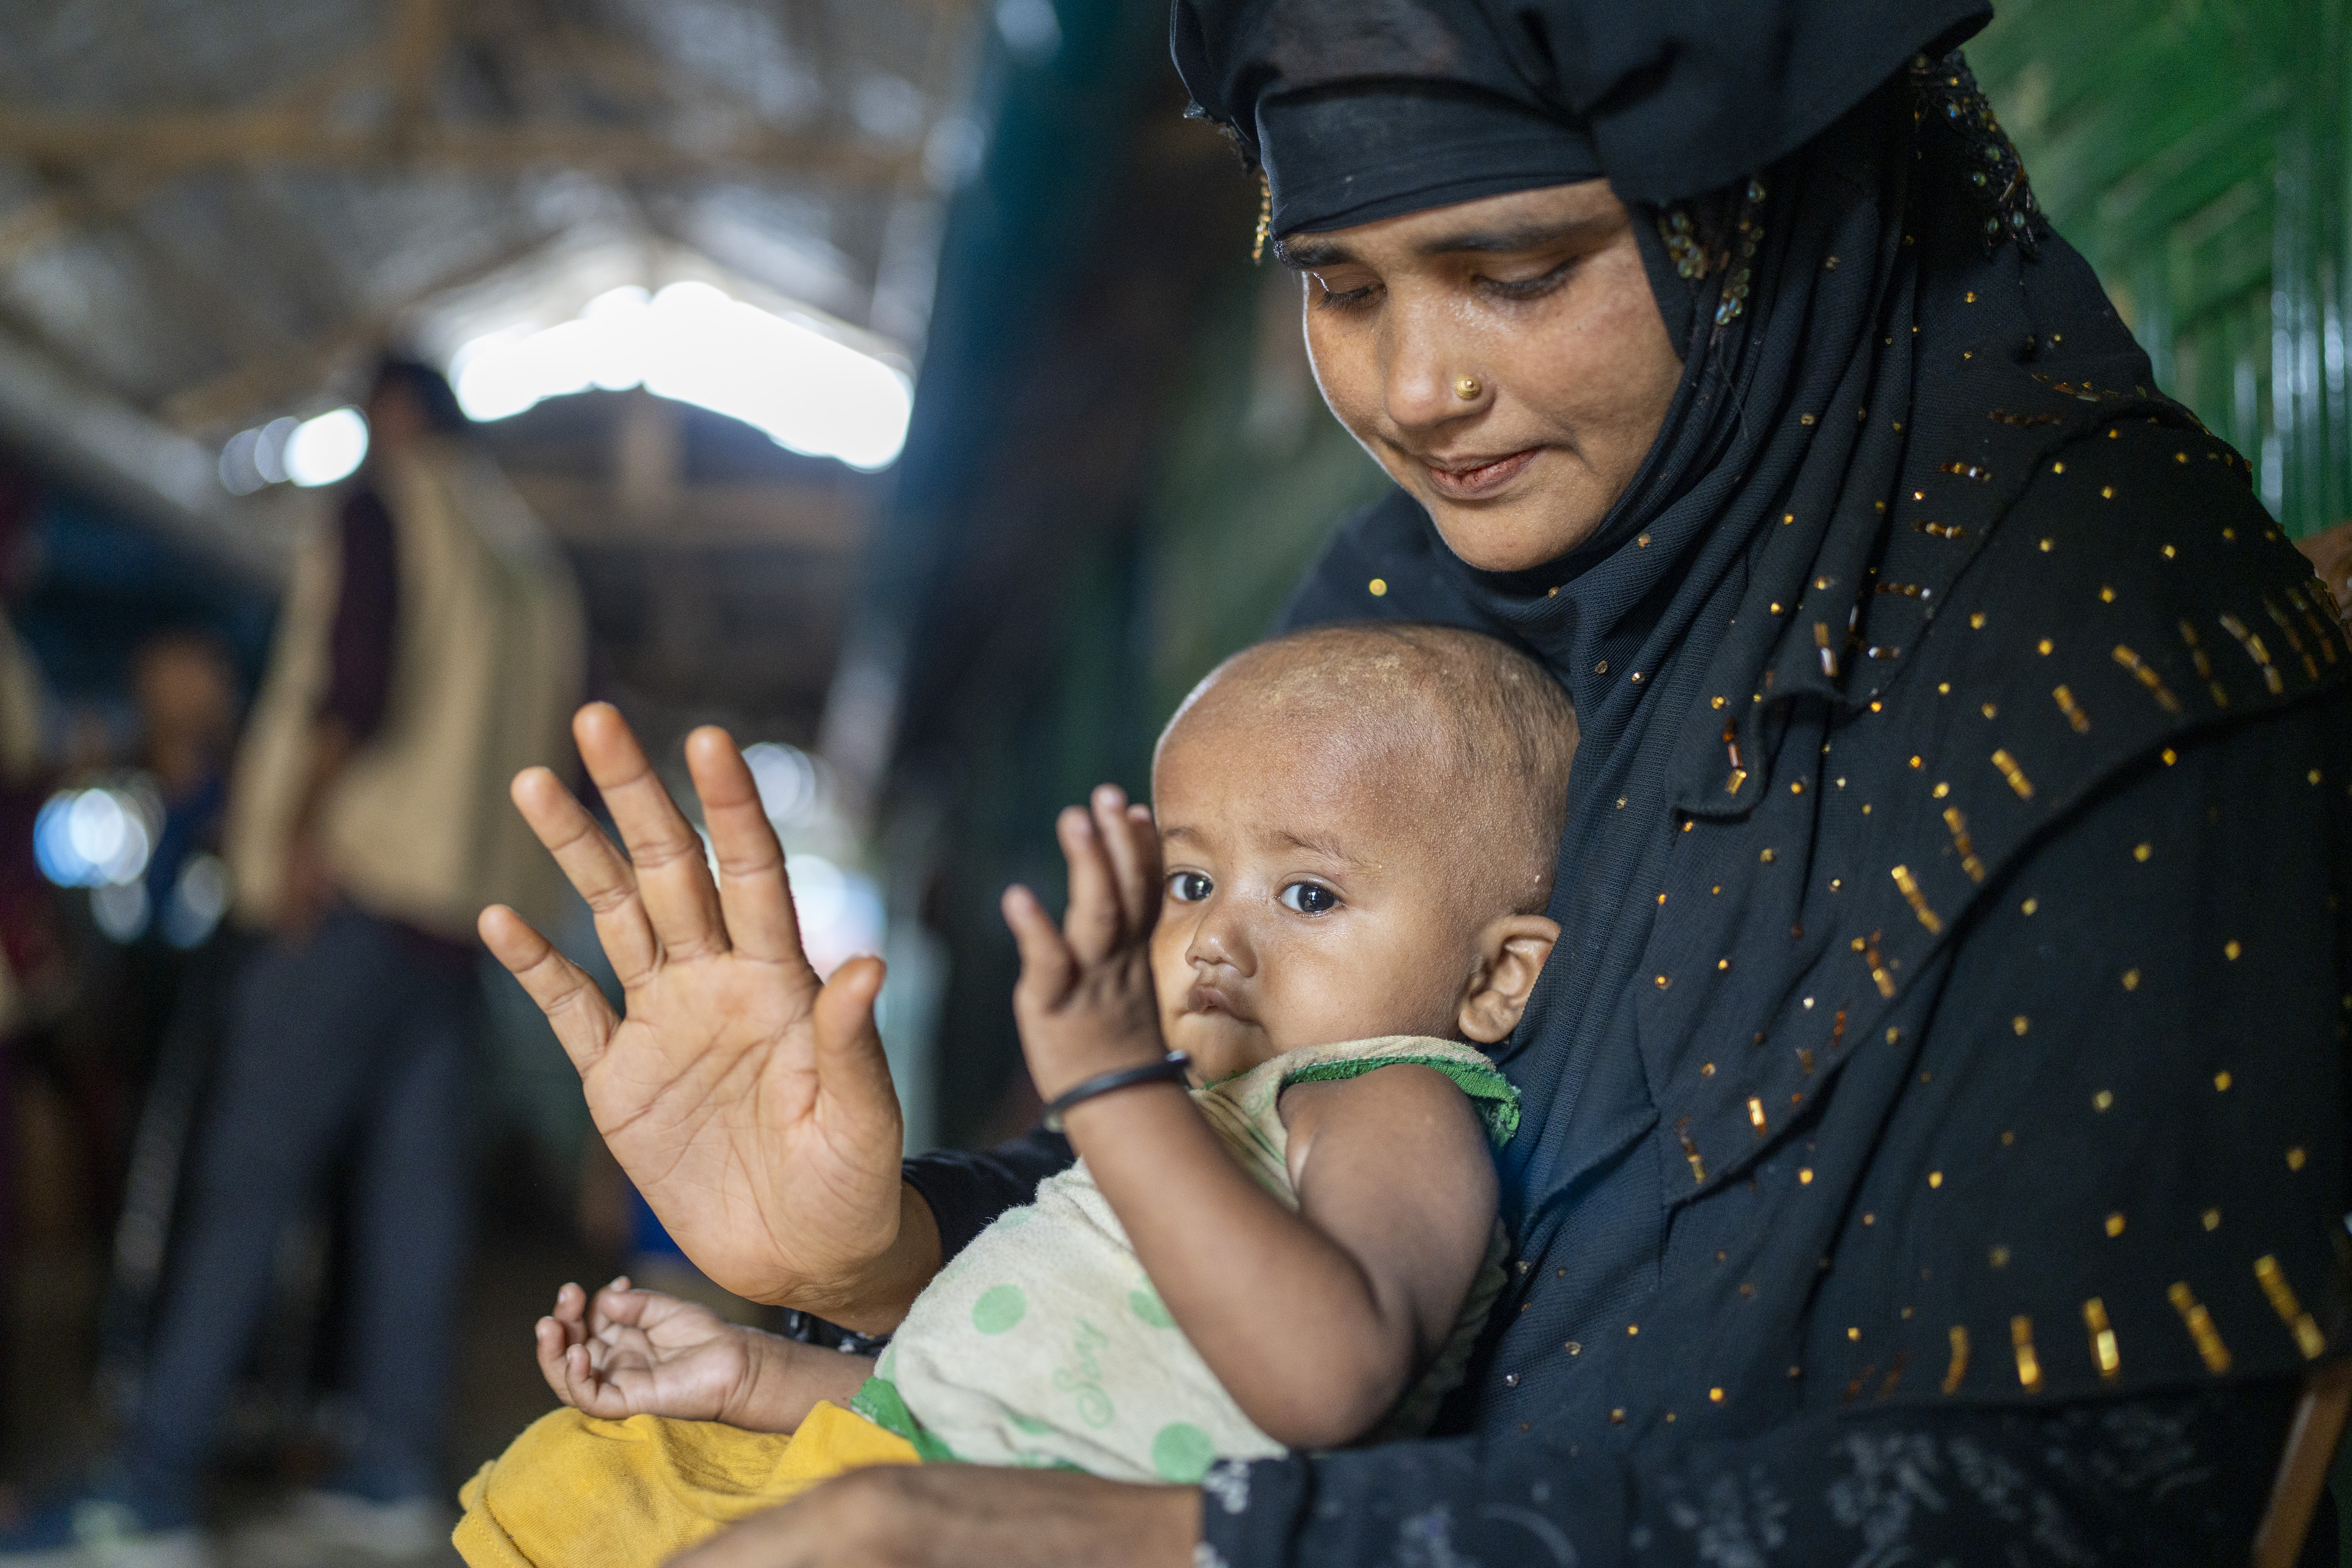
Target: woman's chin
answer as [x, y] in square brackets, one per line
[1514, 533]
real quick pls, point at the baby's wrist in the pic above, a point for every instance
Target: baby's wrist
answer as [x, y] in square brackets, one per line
[762, 1399]
[1123, 1113]
[1058, 1073]
[1166, 1067]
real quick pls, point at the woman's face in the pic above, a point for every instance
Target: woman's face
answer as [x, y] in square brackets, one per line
[1504, 359]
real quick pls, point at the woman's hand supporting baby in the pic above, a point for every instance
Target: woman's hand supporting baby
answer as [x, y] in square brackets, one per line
[625, 1352]
[748, 1100]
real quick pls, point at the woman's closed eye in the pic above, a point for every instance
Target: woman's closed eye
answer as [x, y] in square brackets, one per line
[1533, 288]
[1327, 298]
[1189, 887]
[1310, 899]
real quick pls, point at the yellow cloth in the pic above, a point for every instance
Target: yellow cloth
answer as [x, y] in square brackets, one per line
[576, 1492]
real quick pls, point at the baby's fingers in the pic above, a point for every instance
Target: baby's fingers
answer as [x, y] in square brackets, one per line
[578, 1381]
[1093, 922]
[570, 1311]
[619, 1302]
[1048, 968]
[554, 1350]
[1133, 843]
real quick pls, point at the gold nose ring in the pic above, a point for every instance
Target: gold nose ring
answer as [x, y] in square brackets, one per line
[1466, 387]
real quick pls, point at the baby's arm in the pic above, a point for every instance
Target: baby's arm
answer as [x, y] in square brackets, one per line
[1315, 1322]
[640, 1352]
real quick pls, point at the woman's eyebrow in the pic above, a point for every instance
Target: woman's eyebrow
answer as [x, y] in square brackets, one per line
[1308, 255]
[1305, 256]
[1525, 237]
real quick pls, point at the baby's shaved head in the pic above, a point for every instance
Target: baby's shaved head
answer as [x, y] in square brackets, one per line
[1489, 731]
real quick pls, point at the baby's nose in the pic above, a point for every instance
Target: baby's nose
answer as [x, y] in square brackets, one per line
[1217, 944]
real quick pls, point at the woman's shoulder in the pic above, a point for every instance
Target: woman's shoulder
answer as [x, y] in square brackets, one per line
[2135, 525]
[2136, 590]
[2135, 598]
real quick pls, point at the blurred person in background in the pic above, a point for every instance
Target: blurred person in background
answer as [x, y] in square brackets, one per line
[157, 994]
[430, 646]
[32, 967]
[184, 686]
[27, 940]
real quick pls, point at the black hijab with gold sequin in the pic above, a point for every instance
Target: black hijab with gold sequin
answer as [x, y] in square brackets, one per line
[1936, 1119]
[1920, 568]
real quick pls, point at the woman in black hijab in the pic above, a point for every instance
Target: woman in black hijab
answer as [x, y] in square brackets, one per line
[1935, 1098]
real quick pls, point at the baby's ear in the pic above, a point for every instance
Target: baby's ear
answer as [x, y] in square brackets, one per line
[1511, 954]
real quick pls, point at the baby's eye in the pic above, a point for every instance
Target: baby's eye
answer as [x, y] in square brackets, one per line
[1189, 887]
[1310, 898]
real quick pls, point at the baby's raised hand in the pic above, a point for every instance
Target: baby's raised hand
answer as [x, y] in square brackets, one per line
[1084, 1003]
[640, 1352]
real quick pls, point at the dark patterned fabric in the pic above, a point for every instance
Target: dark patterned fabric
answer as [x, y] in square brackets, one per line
[2163, 1479]
[1937, 1089]
[966, 1192]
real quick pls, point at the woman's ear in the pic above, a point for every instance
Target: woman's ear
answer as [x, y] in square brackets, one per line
[1511, 954]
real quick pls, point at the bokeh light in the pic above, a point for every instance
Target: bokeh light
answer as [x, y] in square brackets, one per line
[321, 451]
[96, 837]
[697, 344]
[198, 900]
[308, 452]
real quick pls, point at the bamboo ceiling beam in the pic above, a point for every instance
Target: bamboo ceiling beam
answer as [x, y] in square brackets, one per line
[260, 380]
[162, 147]
[104, 195]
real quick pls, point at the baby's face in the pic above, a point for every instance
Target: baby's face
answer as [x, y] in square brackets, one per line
[1318, 888]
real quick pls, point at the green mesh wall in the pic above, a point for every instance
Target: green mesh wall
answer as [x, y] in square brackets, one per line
[2196, 151]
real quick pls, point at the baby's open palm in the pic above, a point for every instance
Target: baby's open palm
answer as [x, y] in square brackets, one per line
[640, 1352]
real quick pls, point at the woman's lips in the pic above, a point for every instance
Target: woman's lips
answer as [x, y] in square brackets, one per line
[1480, 480]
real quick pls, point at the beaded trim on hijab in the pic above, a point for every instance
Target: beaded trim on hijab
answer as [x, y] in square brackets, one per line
[1947, 87]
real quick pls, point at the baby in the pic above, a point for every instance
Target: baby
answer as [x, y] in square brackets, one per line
[1336, 896]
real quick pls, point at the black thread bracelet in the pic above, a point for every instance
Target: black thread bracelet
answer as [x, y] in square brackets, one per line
[1170, 1068]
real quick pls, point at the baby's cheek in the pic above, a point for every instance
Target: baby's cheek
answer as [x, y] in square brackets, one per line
[1321, 994]
[1401, 985]
[1171, 975]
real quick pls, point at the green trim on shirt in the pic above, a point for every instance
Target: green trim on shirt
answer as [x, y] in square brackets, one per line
[877, 1401]
[1490, 1092]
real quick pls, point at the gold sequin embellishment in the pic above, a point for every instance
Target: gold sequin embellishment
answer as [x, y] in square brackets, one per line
[1910, 886]
[2200, 1328]
[2079, 720]
[2204, 665]
[2252, 643]
[2272, 1278]
[2029, 1365]
[2147, 677]
[2013, 774]
[2103, 1339]
[1958, 823]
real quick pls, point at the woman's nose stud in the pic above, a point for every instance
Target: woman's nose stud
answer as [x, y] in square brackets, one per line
[1466, 387]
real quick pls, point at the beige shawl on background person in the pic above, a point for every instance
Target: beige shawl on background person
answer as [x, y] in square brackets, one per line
[488, 661]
